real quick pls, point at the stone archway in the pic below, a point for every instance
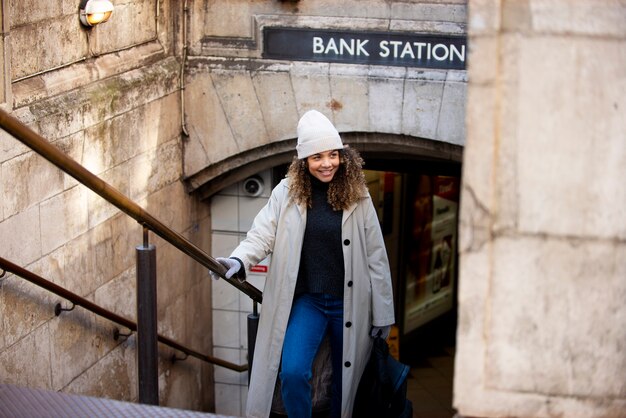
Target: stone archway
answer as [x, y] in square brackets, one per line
[244, 118]
[377, 149]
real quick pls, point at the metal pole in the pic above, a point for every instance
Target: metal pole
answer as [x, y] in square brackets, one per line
[147, 350]
[253, 326]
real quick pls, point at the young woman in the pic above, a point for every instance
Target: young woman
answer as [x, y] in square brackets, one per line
[329, 273]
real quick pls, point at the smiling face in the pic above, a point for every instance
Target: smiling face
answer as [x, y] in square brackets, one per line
[324, 165]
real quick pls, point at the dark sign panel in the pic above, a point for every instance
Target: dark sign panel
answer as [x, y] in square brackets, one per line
[372, 48]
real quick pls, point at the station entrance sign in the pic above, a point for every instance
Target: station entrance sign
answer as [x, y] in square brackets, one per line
[370, 48]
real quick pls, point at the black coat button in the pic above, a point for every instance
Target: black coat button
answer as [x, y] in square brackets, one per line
[347, 364]
[350, 283]
[348, 324]
[346, 242]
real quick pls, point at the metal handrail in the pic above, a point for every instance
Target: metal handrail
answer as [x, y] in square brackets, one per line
[127, 323]
[48, 151]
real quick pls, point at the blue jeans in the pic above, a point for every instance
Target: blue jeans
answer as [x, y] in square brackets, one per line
[312, 315]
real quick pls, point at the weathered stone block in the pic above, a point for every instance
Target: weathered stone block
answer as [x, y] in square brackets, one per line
[50, 266]
[65, 218]
[430, 12]
[311, 87]
[349, 103]
[114, 376]
[230, 19]
[133, 22]
[198, 316]
[119, 295]
[24, 308]
[22, 237]
[211, 138]
[76, 343]
[484, 17]
[72, 146]
[420, 111]
[173, 275]
[52, 125]
[159, 203]
[10, 147]
[196, 231]
[78, 261]
[450, 123]
[276, 100]
[483, 62]
[28, 190]
[172, 318]
[126, 235]
[100, 209]
[179, 389]
[239, 101]
[31, 11]
[430, 27]
[565, 160]
[387, 94]
[160, 122]
[94, 258]
[26, 363]
[49, 38]
[587, 18]
[153, 170]
[543, 336]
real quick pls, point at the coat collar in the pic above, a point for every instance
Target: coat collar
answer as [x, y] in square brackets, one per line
[347, 213]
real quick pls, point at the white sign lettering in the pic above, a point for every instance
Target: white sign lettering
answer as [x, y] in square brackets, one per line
[353, 47]
[371, 48]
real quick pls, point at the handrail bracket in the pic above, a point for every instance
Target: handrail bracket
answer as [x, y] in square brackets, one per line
[59, 309]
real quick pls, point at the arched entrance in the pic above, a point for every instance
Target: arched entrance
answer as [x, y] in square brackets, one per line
[404, 174]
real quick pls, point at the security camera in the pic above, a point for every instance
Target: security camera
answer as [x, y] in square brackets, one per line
[253, 186]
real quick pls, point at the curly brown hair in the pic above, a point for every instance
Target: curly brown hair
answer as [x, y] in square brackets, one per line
[347, 186]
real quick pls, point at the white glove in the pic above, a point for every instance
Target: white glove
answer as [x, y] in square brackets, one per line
[232, 267]
[384, 331]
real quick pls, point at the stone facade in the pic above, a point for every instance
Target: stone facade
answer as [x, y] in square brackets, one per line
[242, 111]
[240, 103]
[542, 237]
[541, 312]
[109, 97]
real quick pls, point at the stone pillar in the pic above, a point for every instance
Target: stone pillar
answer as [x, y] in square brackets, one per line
[542, 292]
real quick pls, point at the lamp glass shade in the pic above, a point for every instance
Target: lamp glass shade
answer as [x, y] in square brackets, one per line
[95, 11]
[98, 17]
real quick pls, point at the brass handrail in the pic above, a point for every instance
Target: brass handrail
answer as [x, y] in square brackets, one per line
[39, 144]
[127, 323]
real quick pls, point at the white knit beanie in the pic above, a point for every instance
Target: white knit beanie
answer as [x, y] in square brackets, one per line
[316, 134]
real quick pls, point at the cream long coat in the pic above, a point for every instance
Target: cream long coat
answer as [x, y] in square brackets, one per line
[278, 229]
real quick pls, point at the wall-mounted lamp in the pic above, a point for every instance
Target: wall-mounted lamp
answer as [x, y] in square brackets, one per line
[93, 12]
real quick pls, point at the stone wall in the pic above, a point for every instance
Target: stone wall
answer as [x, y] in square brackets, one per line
[239, 103]
[242, 109]
[110, 98]
[542, 238]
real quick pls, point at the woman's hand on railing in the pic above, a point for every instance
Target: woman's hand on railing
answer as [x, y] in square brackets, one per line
[234, 267]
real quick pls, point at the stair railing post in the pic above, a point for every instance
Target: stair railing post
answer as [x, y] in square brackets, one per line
[253, 326]
[147, 337]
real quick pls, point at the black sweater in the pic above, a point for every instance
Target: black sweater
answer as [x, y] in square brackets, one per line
[321, 261]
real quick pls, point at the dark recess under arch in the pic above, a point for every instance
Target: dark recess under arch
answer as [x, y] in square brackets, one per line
[387, 152]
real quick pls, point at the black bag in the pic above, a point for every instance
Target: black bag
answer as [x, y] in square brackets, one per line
[382, 389]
